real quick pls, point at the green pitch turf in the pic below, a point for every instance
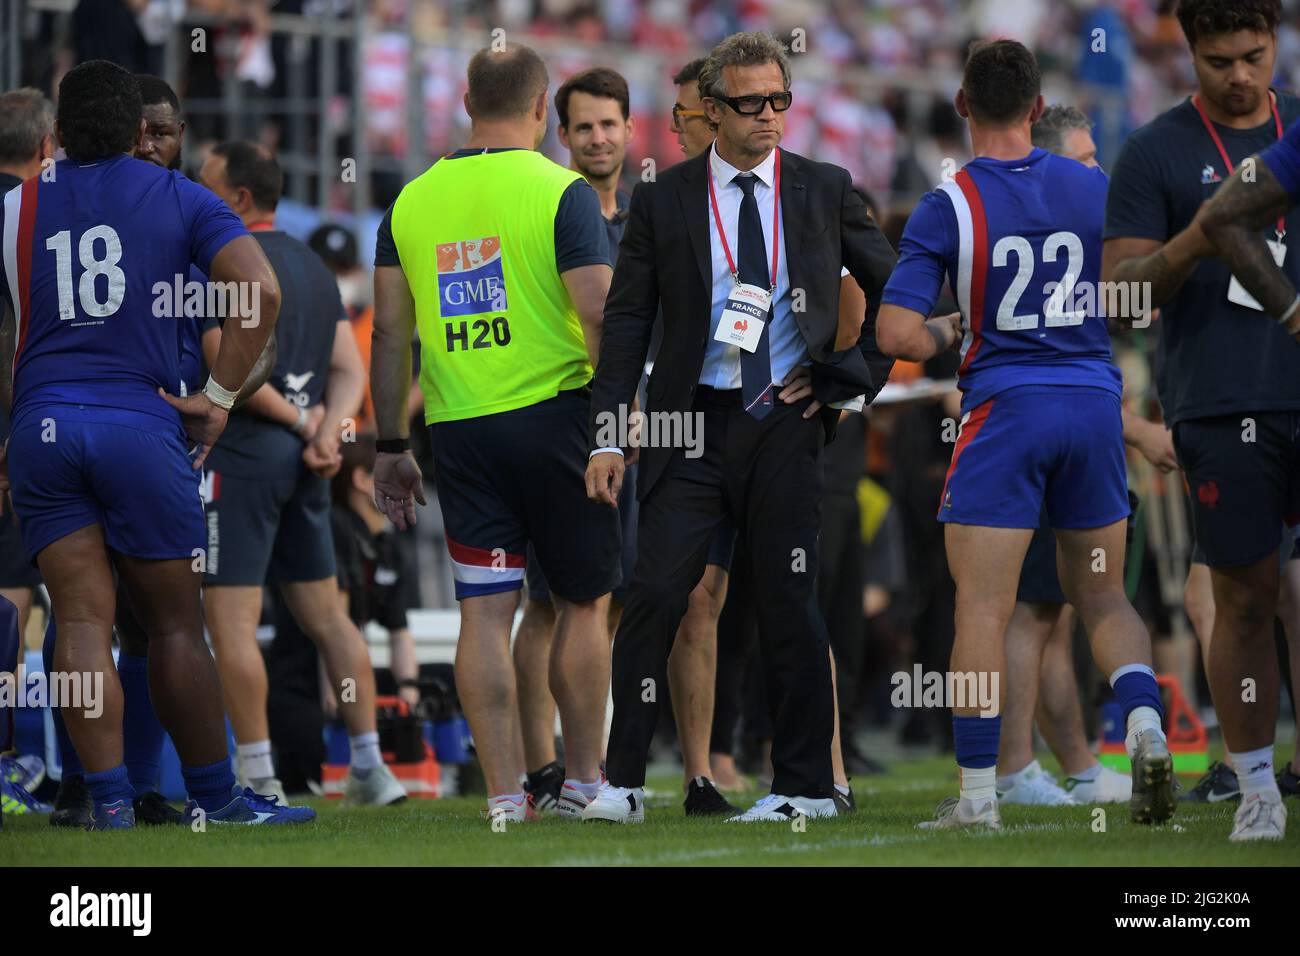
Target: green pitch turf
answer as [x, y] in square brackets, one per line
[453, 832]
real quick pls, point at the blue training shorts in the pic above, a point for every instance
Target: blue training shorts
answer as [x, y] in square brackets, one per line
[1062, 446]
[72, 466]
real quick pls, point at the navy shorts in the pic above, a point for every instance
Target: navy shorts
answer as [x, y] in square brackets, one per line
[15, 570]
[629, 510]
[1243, 471]
[519, 477]
[261, 529]
[72, 466]
[1059, 446]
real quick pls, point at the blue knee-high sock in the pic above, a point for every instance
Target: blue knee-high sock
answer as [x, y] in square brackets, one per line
[67, 753]
[108, 786]
[975, 740]
[210, 786]
[9, 643]
[1135, 686]
[141, 730]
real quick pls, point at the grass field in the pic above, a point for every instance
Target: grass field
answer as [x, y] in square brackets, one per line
[882, 833]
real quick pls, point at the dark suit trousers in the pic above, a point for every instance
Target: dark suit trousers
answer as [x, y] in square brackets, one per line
[768, 476]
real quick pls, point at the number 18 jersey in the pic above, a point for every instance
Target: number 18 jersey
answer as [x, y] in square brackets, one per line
[1020, 243]
[91, 252]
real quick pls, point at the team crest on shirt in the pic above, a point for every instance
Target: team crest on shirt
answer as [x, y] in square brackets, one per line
[1208, 175]
[470, 277]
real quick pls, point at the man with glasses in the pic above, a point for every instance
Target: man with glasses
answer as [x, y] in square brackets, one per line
[749, 282]
[690, 123]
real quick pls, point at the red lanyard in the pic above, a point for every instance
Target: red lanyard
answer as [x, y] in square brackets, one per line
[1214, 135]
[262, 226]
[776, 220]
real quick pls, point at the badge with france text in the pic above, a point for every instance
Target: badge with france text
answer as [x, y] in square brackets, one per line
[744, 316]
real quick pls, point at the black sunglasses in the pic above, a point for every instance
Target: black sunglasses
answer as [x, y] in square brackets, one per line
[753, 104]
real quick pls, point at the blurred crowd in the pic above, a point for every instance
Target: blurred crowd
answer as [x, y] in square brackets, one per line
[873, 78]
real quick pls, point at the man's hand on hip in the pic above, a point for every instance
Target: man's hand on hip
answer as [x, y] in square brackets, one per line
[798, 386]
[203, 420]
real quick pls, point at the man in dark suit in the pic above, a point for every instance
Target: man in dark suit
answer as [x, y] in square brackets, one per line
[747, 363]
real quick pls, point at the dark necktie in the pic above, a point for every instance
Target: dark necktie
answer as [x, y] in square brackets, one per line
[751, 262]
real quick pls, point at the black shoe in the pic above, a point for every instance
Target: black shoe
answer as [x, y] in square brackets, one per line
[845, 802]
[1288, 781]
[1218, 785]
[153, 809]
[703, 800]
[544, 786]
[73, 806]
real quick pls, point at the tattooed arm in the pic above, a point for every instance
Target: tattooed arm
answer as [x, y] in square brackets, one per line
[1138, 247]
[1233, 219]
[1166, 267]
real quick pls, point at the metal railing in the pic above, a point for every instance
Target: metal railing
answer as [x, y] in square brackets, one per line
[309, 149]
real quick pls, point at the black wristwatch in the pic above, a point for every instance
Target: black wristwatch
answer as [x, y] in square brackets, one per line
[393, 446]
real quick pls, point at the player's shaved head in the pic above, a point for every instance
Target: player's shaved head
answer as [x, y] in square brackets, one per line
[155, 90]
[164, 129]
[99, 113]
[504, 85]
[1001, 82]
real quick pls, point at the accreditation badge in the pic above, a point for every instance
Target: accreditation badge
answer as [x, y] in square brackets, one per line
[1237, 292]
[744, 316]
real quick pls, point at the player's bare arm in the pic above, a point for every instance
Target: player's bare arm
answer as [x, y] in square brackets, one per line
[1232, 222]
[344, 392]
[907, 334]
[1152, 440]
[255, 386]
[588, 286]
[1165, 266]
[241, 260]
[398, 482]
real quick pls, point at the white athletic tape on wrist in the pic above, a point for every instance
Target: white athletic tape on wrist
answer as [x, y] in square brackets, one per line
[223, 397]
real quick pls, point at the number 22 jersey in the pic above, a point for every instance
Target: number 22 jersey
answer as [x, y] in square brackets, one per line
[1020, 242]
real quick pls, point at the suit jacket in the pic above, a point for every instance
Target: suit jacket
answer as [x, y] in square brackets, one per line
[665, 262]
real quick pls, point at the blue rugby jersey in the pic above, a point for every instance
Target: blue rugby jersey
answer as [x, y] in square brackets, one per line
[1020, 243]
[89, 259]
